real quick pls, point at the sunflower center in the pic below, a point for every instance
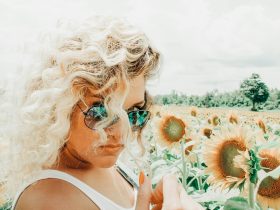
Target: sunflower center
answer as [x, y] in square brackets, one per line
[215, 120]
[233, 119]
[207, 132]
[270, 187]
[228, 151]
[173, 129]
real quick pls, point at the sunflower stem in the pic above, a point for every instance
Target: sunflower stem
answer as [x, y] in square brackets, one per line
[251, 195]
[199, 177]
[184, 179]
[156, 147]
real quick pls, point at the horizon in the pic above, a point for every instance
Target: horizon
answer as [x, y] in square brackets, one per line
[209, 91]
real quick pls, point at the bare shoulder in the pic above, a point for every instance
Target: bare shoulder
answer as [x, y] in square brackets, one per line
[53, 194]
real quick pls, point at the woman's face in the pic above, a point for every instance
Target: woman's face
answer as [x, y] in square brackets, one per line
[78, 152]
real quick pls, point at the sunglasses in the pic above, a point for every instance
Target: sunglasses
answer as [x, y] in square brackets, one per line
[97, 112]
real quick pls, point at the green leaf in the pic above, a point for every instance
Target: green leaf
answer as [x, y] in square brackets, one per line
[237, 203]
[158, 163]
[269, 145]
[275, 173]
[231, 186]
[241, 185]
[254, 164]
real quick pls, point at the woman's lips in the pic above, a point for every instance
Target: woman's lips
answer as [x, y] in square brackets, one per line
[112, 147]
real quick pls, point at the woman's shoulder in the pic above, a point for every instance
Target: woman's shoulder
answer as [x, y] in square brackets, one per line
[53, 194]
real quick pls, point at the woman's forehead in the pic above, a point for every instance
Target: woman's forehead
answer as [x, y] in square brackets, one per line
[136, 88]
[136, 96]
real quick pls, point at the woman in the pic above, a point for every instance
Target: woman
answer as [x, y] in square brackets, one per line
[78, 110]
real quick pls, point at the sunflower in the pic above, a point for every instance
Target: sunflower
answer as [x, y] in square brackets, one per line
[169, 129]
[219, 154]
[188, 149]
[194, 111]
[261, 125]
[233, 118]
[214, 120]
[207, 132]
[191, 150]
[158, 114]
[269, 190]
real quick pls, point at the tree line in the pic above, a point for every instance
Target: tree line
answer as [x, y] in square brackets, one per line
[253, 92]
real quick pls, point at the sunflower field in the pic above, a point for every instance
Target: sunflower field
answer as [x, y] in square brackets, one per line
[225, 159]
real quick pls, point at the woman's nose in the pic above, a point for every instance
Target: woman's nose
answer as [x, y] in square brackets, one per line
[114, 131]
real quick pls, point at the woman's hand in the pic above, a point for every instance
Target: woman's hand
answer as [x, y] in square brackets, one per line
[168, 195]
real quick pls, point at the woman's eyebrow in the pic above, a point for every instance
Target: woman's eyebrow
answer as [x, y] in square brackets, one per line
[99, 96]
[139, 103]
[143, 102]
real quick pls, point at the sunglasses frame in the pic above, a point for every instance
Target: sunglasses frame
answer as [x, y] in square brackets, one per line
[133, 127]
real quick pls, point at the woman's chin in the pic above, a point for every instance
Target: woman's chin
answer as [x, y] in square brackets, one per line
[108, 161]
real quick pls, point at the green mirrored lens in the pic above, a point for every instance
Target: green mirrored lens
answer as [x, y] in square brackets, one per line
[138, 118]
[98, 112]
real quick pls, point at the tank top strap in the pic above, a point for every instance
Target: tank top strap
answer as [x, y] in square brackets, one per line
[100, 200]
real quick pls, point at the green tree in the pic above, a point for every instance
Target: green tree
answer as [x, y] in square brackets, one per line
[255, 89]
[207, 99]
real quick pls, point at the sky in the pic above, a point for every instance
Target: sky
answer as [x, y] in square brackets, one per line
[204, 44]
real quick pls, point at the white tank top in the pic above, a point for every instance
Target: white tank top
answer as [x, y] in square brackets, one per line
[100, 200]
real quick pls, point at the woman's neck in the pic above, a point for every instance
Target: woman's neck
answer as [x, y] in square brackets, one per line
[69, 161]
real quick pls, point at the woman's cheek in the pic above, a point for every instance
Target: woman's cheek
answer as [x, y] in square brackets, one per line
[85, 140]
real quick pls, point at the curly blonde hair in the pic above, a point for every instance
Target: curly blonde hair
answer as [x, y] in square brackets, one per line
[99, 55]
